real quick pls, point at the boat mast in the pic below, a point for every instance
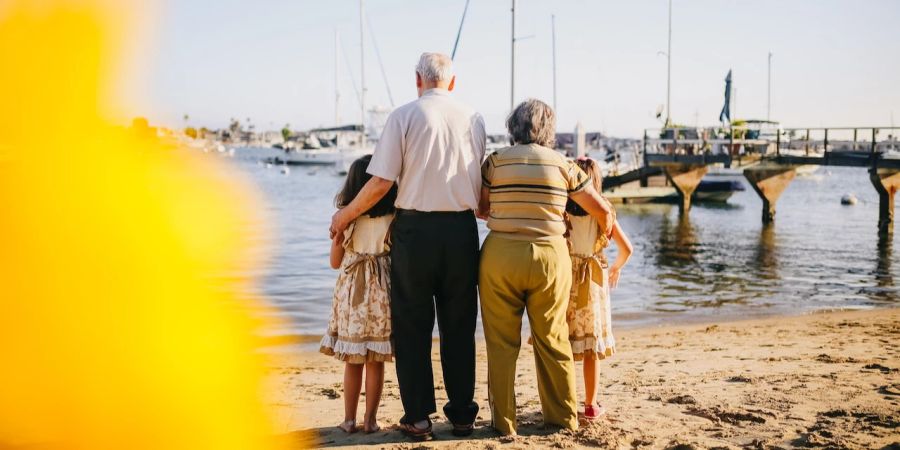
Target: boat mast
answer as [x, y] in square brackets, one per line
[337, 89]
[387, 86]
[362, 71]
[459, 32]
[669, 72]
[553, 29]
[769, 90]
[512, 82]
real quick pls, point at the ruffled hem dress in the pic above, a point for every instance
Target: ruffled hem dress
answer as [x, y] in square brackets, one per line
[359, 329]
[589, 314]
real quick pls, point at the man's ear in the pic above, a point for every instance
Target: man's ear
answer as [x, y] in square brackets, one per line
[418, 80]
[452, 83]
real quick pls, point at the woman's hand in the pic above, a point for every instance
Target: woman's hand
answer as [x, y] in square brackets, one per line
[614, 273]
[484, 204]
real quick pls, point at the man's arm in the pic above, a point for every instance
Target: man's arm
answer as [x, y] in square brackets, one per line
[370, 194]
[589, 199]
[385, 167]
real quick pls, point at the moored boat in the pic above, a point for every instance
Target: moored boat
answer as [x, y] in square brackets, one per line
[715, 191]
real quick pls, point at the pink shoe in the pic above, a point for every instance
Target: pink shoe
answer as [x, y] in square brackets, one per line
[592, 412]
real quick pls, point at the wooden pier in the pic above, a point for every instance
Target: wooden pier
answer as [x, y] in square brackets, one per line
[771, 158]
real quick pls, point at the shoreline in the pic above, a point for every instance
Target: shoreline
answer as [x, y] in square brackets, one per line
[824, 379]
[282, 343]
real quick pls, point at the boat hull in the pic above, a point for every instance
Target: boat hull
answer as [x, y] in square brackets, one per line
[301, 162]
[707, 191]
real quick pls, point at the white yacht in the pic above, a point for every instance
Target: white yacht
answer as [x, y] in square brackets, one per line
[324, 146]
[341, 145]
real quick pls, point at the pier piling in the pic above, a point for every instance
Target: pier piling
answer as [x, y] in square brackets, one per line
[887, 183]
[769, 182]
[685, 178]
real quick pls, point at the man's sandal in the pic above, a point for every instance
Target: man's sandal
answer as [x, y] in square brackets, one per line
[463, 430]
[415, 433]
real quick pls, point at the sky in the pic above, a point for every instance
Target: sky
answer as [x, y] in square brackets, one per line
[835, 63]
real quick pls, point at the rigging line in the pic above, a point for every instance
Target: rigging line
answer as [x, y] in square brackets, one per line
[380, 62]
[350, 72]
[459, 32]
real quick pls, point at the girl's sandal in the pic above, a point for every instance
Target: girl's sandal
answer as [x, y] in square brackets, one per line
[592, 412]
[349, 426]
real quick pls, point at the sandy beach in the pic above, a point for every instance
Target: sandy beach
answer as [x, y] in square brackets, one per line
[825, 380]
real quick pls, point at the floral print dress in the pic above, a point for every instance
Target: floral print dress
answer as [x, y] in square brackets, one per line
[589, 314]
[359, 329]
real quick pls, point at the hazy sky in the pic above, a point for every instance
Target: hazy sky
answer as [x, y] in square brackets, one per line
[835, 62]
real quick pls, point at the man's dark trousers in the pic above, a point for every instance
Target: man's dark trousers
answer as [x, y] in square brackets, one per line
[434, 268]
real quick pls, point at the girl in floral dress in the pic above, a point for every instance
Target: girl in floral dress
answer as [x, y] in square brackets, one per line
[359, 329]
[588, 313]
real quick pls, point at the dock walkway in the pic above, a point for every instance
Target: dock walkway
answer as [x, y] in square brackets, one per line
[773, 159]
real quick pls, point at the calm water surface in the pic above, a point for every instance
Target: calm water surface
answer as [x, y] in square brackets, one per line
[719, 261]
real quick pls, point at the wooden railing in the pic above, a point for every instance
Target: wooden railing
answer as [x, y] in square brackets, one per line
[855, 146]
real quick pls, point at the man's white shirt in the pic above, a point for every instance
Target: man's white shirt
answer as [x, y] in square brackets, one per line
[433, 148]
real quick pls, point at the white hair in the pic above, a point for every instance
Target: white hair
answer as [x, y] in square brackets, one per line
[434, 67]
[532, 122]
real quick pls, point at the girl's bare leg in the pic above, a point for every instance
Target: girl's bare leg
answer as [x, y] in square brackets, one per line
[374, 385]
[590, 380]
[352, 384]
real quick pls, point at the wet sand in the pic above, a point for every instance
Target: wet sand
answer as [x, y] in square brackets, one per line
[826, 380]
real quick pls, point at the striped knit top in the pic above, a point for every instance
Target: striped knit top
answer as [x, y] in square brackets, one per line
[529, 186]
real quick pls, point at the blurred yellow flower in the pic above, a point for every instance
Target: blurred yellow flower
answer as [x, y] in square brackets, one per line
[124, 321]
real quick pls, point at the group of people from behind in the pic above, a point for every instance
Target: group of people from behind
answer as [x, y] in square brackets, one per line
[405, 240]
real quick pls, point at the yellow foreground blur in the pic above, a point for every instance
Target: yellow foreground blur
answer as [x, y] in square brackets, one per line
[122, 324]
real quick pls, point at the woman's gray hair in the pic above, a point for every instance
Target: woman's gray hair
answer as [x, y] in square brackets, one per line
[532, 122]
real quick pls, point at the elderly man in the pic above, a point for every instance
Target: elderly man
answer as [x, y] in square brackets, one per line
[433, 148]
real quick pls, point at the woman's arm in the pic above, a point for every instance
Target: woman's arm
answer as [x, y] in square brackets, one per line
[589, 199]
[625, 251]
[337, 250]
[484, 203]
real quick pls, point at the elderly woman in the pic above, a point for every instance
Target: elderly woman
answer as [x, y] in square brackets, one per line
[525, 264]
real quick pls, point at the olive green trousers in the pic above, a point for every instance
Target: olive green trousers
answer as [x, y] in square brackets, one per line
[516, 276]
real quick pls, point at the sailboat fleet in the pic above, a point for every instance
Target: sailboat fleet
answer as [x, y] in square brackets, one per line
[339, 146]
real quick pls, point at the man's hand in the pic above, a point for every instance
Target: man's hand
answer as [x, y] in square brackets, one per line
[370, 194]
[339, 223]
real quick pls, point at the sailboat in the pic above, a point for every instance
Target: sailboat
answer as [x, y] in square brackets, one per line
[364, 146]
[349, 141]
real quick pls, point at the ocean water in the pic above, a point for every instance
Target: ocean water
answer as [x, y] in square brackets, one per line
[717, 263]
